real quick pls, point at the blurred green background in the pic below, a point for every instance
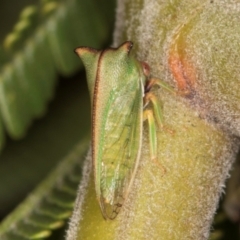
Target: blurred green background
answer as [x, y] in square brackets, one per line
[65, 119]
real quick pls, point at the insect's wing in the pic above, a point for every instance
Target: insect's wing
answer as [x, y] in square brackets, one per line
[121, 151]
[114, 80]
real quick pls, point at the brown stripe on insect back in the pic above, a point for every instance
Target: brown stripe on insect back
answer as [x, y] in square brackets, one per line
[94, 107]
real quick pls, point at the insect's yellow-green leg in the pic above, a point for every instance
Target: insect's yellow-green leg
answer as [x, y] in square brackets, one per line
[155, 81]
[148, 115]
[150, 97]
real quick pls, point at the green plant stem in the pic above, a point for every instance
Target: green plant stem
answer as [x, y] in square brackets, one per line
[177, 204]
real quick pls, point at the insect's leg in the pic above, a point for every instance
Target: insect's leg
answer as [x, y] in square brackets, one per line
[150, 97]
[157, 110]
[158, 82]
[148, 115]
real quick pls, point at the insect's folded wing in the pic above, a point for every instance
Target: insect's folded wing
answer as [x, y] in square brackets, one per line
[121, 154]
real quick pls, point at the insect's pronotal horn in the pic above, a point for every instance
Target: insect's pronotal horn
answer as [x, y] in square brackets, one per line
[88, 55]
[126, 47]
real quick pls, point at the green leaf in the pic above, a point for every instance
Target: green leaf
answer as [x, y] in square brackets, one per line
[40, 45]
[46, 208]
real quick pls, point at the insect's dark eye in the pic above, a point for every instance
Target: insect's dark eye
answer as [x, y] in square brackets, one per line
[146, 68]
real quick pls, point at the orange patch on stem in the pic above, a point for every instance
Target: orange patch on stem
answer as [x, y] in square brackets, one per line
[183, 72]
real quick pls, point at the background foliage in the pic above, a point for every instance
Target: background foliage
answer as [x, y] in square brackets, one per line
[37, 42]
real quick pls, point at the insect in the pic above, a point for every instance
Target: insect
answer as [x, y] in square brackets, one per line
[120, 95]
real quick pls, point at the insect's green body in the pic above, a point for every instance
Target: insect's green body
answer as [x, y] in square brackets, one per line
[116, 83]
